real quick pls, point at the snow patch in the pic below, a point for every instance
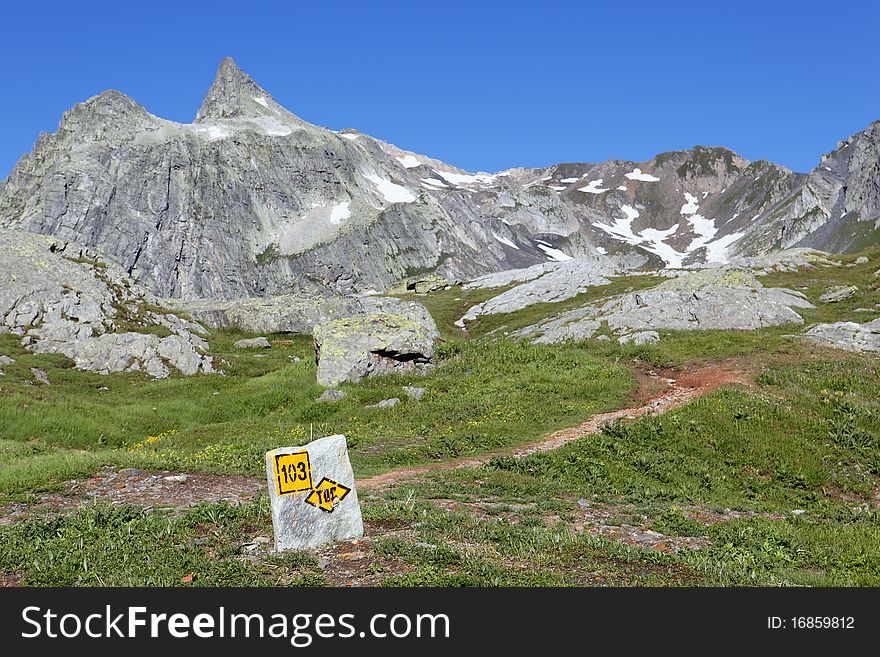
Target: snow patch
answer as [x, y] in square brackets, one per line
[568, 181]
[466, 179]
[558, 189]
[435, 183]
[554, 254]
[409, 161]
[349, 136]
[593, 187]
[390, 191]
[261, 100]
[504, 240]
[601, 250]
[636, 174]
[622, 188]
[340, 212]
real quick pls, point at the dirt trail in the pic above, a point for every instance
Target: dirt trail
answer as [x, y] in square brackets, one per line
[678, 388]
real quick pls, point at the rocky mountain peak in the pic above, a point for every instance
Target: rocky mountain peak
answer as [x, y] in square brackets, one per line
[234, 94]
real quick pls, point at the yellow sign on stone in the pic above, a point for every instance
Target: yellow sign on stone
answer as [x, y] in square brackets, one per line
[293, 473]
[327, 494]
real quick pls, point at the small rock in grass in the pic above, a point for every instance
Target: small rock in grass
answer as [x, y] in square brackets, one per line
[386, 403]
[798, 512]
[640, 338]
[862, 260]
[6, 360]
[603, 338]
[331, 395]
[253, 343]
[414, 393]
[838, 293]
[40, 376]
[294, 359]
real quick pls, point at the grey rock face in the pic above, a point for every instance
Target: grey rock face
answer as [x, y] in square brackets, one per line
[640, 338]
[62, 302]
[705, 299]
[839, 293]
[850, 336]
[250, 200]
[543, 284]
[382, 342]
[253, 343]
[299, 525]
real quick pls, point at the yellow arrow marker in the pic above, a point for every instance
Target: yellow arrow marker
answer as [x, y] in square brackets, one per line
[327, 494]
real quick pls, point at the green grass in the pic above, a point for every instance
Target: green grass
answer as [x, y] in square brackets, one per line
[808, 439]
[482, 397]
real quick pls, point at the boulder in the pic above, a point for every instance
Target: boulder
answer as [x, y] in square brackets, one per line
[6, 360]
[302, 516]
[386, 403]
[640, 338]
[379, 343]
[861, 260]
[331, 395]
[414, 393]
[838, 293]
[850, 336]
[253, 343]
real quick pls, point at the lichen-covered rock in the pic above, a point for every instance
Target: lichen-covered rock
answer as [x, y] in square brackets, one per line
[414, 393]
[352, 348]
[253, 343]
[62, 301]
[839, 293]
[861, 260]
[850, 336]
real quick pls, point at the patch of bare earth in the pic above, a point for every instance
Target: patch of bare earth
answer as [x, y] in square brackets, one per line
[168, 491]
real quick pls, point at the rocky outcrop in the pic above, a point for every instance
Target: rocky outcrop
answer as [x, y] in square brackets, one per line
[704, 299]
[548, 283]
[61, 301]
[850, 336]
[381, 342]
[838, 293]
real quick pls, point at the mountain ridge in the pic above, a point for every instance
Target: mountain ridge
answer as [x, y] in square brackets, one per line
[251, 200]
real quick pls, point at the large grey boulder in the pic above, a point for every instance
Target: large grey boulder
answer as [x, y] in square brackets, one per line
[850, 336]
[301, 518]
[381, 342]
[62, 301]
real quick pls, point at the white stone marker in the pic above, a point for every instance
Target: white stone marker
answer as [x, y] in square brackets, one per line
[313, 497]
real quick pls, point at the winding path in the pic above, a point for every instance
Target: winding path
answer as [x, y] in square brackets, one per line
[688, 385]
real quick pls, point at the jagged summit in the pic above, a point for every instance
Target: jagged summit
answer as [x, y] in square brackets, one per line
[252, 201]
[234, 94]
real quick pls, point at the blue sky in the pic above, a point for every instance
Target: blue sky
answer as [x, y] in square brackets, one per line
[484, 86]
